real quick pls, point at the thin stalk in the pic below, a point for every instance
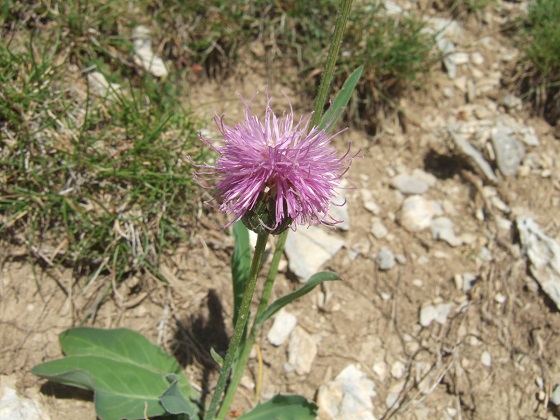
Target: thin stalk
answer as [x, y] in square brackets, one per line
[320, 100]
[334, 49]
[244, 311]
[272, 272]
[255, 329]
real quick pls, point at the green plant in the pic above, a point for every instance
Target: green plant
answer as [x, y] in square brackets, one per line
[538, 37]
[460, 9]
[131, 377]
[97, 182]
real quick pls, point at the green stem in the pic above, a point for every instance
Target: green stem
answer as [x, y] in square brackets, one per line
[248, 344]
[336, 42]
[272, 272]
[244, 311]
[320, 100]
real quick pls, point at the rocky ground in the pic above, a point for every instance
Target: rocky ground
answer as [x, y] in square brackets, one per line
[449, 256]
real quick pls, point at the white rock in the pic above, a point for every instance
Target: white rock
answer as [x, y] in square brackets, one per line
[284, 324]
[385, 259]
[393, 394]
[473, 156]
[348, 396]
[539, 381]
[498, 203]
[398, 369]
[378, 229]
[416, 213]
[400, 258]
[438, 313]
[309, 248]
[468, 281]
[500, 298]
[14, 407]
[339, 211]
[101, 87]
[385, 296]
[143, 54]
[477, 58]
[445, 28]
[452, 412]
[442, 229]
[509, 151]
[529, 136]
[448, 92]
[543, 253]
[391, 399]
[418, 282]
[555, 397]
[369, 202]
[380, 369]
[447, 48]
[302, 351]
[485, 255]
[427, 177]
[391, 8]
[408, 184]
[486, 359]
[460, 58]
[247, 382]
[510, 101]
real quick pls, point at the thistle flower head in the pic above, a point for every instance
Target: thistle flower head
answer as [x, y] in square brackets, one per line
[272, 171]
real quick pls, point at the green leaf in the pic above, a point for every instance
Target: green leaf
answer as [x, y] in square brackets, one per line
[278, 304]
[127, 372]
[240, 265]
[217, 358]
[283, 407]
[174, 401]
[335, 110]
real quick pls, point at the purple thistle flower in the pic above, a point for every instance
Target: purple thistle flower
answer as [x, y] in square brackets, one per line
[273, 172]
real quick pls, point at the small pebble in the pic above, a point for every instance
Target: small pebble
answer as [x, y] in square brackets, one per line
[378, 229]
[385, 259]
[380, 369]
[302, 351]
[417, 213]
[539, 382]
[417, 282]
[409, 185]
[247, 382]
[401, 259]
[284, 324]
[477, 58]
[369, 202]
[438, 313]
[385, 296]
[555, 397]
[499, 298]
[397, 370]
[486, 359]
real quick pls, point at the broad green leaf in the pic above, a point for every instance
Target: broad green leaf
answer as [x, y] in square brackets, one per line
[125, 345]
[342, 98]
[173, 401]
[240, 265]
[278, 304]
[126, 371]
[283, 407]
[122, 390]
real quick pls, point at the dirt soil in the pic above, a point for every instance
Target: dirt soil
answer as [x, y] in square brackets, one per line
[371, 318]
